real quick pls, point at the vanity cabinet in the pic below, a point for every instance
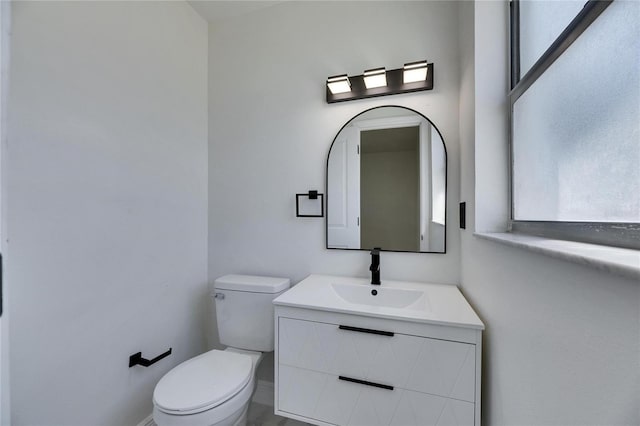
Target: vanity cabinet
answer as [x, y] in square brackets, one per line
[331, 372]
[340, 368]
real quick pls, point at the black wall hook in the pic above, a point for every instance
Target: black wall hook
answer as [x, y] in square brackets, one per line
[136, 359]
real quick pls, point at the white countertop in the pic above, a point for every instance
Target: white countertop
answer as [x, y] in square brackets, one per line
[445, 304]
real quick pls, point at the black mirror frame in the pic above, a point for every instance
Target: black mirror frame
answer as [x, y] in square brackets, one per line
[446, 181]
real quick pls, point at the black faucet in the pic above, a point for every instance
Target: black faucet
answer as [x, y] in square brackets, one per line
[375, 266]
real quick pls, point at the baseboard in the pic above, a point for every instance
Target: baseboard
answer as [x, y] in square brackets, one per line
[264, 393]
[147, 421]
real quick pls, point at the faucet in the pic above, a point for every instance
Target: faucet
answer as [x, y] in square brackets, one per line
[375, 266]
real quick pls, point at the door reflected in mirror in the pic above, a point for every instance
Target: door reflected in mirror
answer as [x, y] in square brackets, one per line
[386, 183]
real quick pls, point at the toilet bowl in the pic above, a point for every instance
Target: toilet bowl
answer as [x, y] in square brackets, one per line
[215, 388]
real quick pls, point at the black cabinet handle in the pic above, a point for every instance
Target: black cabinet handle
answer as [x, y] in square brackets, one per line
[365, 382]
[136, 359]
[366, 330]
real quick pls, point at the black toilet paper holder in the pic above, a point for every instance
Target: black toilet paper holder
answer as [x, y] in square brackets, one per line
[136, 359]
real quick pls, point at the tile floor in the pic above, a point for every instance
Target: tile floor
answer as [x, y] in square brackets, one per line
[262, 415]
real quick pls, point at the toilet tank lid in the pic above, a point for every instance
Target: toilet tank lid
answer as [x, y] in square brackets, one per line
[252, 283]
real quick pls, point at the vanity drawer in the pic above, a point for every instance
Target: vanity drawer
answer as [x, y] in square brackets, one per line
[324, 397]
[433, 366]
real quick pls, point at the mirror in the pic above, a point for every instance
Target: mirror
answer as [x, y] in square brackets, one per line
[386, 183]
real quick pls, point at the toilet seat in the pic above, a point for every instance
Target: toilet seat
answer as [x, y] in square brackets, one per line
[202, 383]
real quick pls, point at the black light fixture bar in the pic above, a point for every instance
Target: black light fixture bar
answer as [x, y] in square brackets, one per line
[395, 86]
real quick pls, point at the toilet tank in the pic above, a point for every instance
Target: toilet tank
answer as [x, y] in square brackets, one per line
[244, 310]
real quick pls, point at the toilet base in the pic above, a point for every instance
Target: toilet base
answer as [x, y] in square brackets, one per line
[238, 418]
[242, 420]
[230, 413]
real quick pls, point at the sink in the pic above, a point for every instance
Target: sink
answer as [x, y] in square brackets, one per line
[441, 304]
[380, 296]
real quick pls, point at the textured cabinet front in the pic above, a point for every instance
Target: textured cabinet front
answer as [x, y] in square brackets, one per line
[431, 366]
[323, 397]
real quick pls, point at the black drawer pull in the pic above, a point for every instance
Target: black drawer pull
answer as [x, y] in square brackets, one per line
[364, 382]
[366, 330]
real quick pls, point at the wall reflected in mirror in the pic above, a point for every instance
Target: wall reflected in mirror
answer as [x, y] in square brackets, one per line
[386, 183]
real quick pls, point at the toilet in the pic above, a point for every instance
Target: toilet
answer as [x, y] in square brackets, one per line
[215, 388]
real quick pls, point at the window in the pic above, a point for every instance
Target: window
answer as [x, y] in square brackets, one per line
[575, 120]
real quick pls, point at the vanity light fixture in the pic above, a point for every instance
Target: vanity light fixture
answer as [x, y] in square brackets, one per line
[414, 71]
[375, 78]
[413, 77]
[339, 84]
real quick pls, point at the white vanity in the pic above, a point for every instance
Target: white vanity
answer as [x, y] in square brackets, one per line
[351, 353]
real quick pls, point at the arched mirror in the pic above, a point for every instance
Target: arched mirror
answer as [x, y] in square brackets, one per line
[386, 183]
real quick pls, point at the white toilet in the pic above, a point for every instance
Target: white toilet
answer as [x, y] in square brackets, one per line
[215, 388]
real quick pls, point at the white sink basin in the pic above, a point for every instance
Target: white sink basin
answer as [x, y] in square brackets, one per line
[407, 301]
[371, 295]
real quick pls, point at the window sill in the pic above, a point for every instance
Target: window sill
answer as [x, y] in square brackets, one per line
[619, 261]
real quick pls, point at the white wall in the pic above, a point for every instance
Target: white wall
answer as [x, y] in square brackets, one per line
[107, 204]
[5, 24]
[271, 128]
[562, 340]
